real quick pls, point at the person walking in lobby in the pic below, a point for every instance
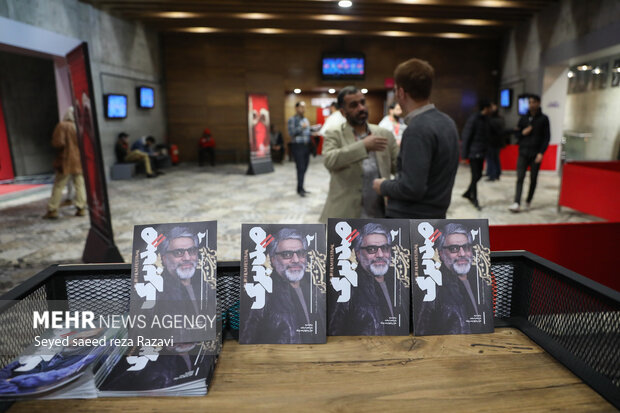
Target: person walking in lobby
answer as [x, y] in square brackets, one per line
[475, 144]
[299, 131]
[534, 135]
[68, 165]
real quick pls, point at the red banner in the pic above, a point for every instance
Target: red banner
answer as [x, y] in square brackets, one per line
[100, 243]
[259, 134]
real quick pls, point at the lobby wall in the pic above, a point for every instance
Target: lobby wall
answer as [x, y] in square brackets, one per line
[123, 55]
[536, 57]
[208, 76]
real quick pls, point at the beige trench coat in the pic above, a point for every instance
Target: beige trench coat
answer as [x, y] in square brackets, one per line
[343, 157]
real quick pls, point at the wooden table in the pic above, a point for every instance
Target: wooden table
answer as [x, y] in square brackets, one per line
[499, 372]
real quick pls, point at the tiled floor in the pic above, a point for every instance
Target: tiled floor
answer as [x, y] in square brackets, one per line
[29, 244]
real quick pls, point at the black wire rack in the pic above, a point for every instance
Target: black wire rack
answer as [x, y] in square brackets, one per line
[573, 318]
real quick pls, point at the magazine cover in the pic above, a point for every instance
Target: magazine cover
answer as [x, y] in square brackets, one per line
[180, 370]
[369, 279]
[452, 289]
[53, 362]
[173, 271]
[282, 295]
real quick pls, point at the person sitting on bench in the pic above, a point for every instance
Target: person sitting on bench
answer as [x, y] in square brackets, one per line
[124, 155]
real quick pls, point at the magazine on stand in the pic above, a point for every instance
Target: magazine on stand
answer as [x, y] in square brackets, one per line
[173, 272]
[282, 294]
[369, 277]
[452, 280]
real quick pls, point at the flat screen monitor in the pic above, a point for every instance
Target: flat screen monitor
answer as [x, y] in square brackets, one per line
[505, 98]
[145, 97]
[115, 106]
[343, 66]
[524, 104]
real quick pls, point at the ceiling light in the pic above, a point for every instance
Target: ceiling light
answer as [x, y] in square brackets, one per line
[583, 68]
[297, 91]
[597, 71]
[267, 30]
[199, 29]
[617, 69]
[570, 74]
[332, 90]
[345, 3]
[176, 14]
[364, 91]
[256, 16]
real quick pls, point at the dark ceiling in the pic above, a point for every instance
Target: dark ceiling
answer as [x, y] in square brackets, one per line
[397, 18]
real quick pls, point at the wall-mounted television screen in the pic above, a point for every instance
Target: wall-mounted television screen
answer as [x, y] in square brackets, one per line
[343, 66]
[115, 106]
[505, 98]
[145, 96]
[524, 104]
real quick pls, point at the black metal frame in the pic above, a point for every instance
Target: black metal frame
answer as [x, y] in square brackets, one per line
[526, 287]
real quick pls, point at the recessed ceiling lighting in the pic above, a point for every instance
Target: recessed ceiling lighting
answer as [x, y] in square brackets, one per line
[176, 14]
[200, 29]
[345, 3]
[583, 68]
[597, 71]
[297, 91]
[332, 90]
[364, 91]
[570, 74]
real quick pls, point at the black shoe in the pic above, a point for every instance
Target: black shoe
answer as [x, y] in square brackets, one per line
[475, 203]
[301, 194]
[160, 173]
[466, 195]
[305, 192]
[151, 175]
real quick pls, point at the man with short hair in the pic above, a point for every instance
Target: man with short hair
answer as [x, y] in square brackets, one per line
[355, 153]
[534, 139]
[287, 308]
[460, 298]
[334, 119]
[121, 149]
[392, 122]
[371, 310]
[299, 131]
[429, 153]
[475, 144]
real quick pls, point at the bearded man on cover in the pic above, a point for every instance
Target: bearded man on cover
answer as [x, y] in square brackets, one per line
[287, 308]
[371, 310]
[456, 308]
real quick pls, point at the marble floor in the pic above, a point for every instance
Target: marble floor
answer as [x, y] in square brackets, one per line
[28, 244]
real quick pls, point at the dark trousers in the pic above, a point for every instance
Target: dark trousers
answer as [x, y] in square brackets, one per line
[494, 169]
[522, 163]
[206, 153]
[301, 155]
[476, 165]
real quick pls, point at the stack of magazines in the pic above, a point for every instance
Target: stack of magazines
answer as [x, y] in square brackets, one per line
[58, 365]
[182, 370]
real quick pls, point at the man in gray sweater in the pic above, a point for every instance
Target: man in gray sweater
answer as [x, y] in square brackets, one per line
[429, 151]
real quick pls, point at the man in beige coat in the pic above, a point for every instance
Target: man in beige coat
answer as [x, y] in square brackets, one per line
[355, 153]
[67, 165]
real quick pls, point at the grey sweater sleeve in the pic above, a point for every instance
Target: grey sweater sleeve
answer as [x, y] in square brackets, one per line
[415, 156]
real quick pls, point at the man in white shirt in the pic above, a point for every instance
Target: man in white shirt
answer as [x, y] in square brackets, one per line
[334, 119]
[393, 122]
